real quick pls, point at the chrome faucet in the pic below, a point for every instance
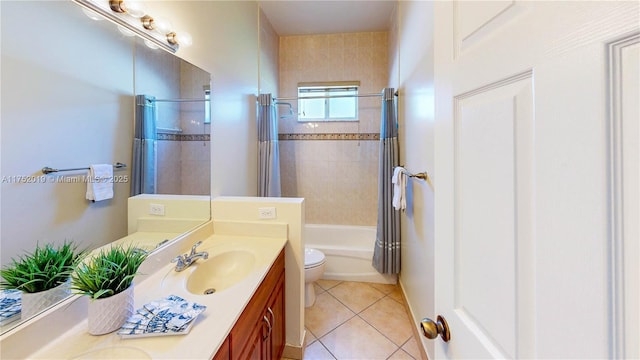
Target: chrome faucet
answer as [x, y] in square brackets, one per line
[185, 260]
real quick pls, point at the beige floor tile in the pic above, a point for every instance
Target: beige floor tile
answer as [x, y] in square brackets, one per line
[325, 315]
[390, 318]
[310, 337]
[385, 288]
[356, 295]
[396, 294]
[327, 284]
[411, 347]
[318, 289]
[317, 351]
[401, 355]
[355, 339]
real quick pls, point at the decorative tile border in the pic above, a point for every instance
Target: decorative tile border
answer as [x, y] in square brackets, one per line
[330, 136]
[183, 137]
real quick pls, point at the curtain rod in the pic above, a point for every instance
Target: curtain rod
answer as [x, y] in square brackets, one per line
[329, 96]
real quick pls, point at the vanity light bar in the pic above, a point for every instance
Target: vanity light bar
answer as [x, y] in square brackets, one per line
[137, 26]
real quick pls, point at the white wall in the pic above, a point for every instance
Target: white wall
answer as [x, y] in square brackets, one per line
[412, 73]
[225, 43]
[66, 103]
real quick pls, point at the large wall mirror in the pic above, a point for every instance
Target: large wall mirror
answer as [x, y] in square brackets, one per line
[69, 86]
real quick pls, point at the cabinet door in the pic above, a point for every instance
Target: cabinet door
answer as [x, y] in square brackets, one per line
[275, 312]
[254, 349]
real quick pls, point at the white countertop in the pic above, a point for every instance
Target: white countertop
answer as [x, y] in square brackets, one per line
[211, 327]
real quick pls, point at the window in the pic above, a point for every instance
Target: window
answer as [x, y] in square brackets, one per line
[328, 101]
[207, 105]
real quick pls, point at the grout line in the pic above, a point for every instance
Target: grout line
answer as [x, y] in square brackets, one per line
[338, 325]
[404, 306]
[329, 351]
[361, 318]
[400, 349]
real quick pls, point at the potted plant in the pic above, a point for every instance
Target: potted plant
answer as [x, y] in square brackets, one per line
[42, 275]
[107, 278]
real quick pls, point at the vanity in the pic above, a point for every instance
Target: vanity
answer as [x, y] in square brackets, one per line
[244, 319]
[262, 319]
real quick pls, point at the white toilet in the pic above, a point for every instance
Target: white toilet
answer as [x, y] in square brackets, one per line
[313, 269]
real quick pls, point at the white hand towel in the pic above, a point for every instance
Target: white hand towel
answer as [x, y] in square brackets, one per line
[399, 181]
[100, 182]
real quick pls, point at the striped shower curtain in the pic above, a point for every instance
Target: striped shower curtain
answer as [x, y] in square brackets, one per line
[143, 167]
[268, 153]
[386, 254]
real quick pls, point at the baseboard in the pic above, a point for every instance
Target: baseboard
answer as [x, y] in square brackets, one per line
[416, 333]
[295, 352]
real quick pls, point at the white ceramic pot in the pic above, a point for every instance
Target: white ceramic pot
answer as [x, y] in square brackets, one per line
[33, 303]
[109, 314]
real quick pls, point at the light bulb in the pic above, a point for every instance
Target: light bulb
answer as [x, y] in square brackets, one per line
[135, 8]
[184, 39]
[162, 25]
[125, 31]
[91, 14]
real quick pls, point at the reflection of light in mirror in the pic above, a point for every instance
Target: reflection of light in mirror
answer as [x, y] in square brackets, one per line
[150, 45]
[126, 32]
[195, 122]
[311, 125]
[91, 15]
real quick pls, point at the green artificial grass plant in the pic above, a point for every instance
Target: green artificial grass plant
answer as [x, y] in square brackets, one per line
[43, 269]
[108, 273]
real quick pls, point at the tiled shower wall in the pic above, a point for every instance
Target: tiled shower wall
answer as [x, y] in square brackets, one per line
[184, 158]
[335, 165]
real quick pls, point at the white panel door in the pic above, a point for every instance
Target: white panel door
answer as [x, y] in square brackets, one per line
[525, 255]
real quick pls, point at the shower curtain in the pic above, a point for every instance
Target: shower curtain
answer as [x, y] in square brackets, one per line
[143, 171]
[386, 254]
[268, 153]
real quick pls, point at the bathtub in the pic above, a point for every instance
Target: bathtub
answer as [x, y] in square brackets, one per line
[348, 251]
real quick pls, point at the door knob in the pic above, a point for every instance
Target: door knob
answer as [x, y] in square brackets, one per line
[432, 329]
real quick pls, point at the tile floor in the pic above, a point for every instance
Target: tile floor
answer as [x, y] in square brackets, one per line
[354, 320]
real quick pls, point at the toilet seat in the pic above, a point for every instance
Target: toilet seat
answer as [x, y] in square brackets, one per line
[313, 258]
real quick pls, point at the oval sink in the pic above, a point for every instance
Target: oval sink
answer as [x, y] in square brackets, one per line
[220, 272]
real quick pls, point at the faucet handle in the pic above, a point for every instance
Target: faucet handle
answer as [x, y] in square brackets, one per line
[193, 248]
[179, 260]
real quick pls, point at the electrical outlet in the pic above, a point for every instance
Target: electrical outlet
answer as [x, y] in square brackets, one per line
[267, 213]
[156, 209]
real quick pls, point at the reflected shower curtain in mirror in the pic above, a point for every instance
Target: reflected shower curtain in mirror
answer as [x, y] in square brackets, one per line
[386, 254]
[268, 153]
[143, 169]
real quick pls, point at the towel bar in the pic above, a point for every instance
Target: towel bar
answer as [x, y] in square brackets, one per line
[421, 175]
[48, 170]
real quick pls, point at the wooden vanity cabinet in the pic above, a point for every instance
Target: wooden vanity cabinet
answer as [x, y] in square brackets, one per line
[259, 333]
[223, 352]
